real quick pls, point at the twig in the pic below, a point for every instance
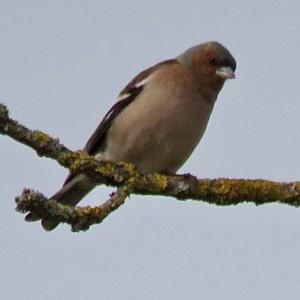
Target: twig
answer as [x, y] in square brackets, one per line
[80, 218]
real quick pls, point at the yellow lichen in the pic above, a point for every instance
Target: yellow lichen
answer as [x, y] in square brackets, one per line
[80, 158]
[130, 168]
[41, 138]
[105, 170]
[160, 181]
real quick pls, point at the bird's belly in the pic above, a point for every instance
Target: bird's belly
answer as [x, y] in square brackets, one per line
[156, 144]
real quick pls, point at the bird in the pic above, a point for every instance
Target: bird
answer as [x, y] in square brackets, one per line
[158, 118]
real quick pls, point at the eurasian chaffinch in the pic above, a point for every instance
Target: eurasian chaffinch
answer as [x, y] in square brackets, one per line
[158, 118]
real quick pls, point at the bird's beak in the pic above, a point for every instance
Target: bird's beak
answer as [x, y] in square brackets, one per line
[225, 73]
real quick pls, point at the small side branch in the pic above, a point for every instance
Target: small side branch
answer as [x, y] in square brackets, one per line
[80, 218]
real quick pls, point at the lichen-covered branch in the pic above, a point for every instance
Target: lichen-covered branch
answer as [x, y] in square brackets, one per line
[216, 191]
[79, 218]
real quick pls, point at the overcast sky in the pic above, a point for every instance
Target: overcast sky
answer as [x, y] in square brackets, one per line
[62, 63]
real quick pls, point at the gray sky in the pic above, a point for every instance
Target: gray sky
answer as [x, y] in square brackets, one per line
[62, 65]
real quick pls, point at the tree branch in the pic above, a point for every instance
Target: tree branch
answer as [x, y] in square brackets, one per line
[79, 218]
[220, 191]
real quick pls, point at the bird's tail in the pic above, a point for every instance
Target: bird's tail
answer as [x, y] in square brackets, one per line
[70, 194]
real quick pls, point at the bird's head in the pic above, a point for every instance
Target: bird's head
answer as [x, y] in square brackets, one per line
[211, 63]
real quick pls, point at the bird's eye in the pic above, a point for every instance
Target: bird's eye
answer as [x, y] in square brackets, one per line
[212, 60]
